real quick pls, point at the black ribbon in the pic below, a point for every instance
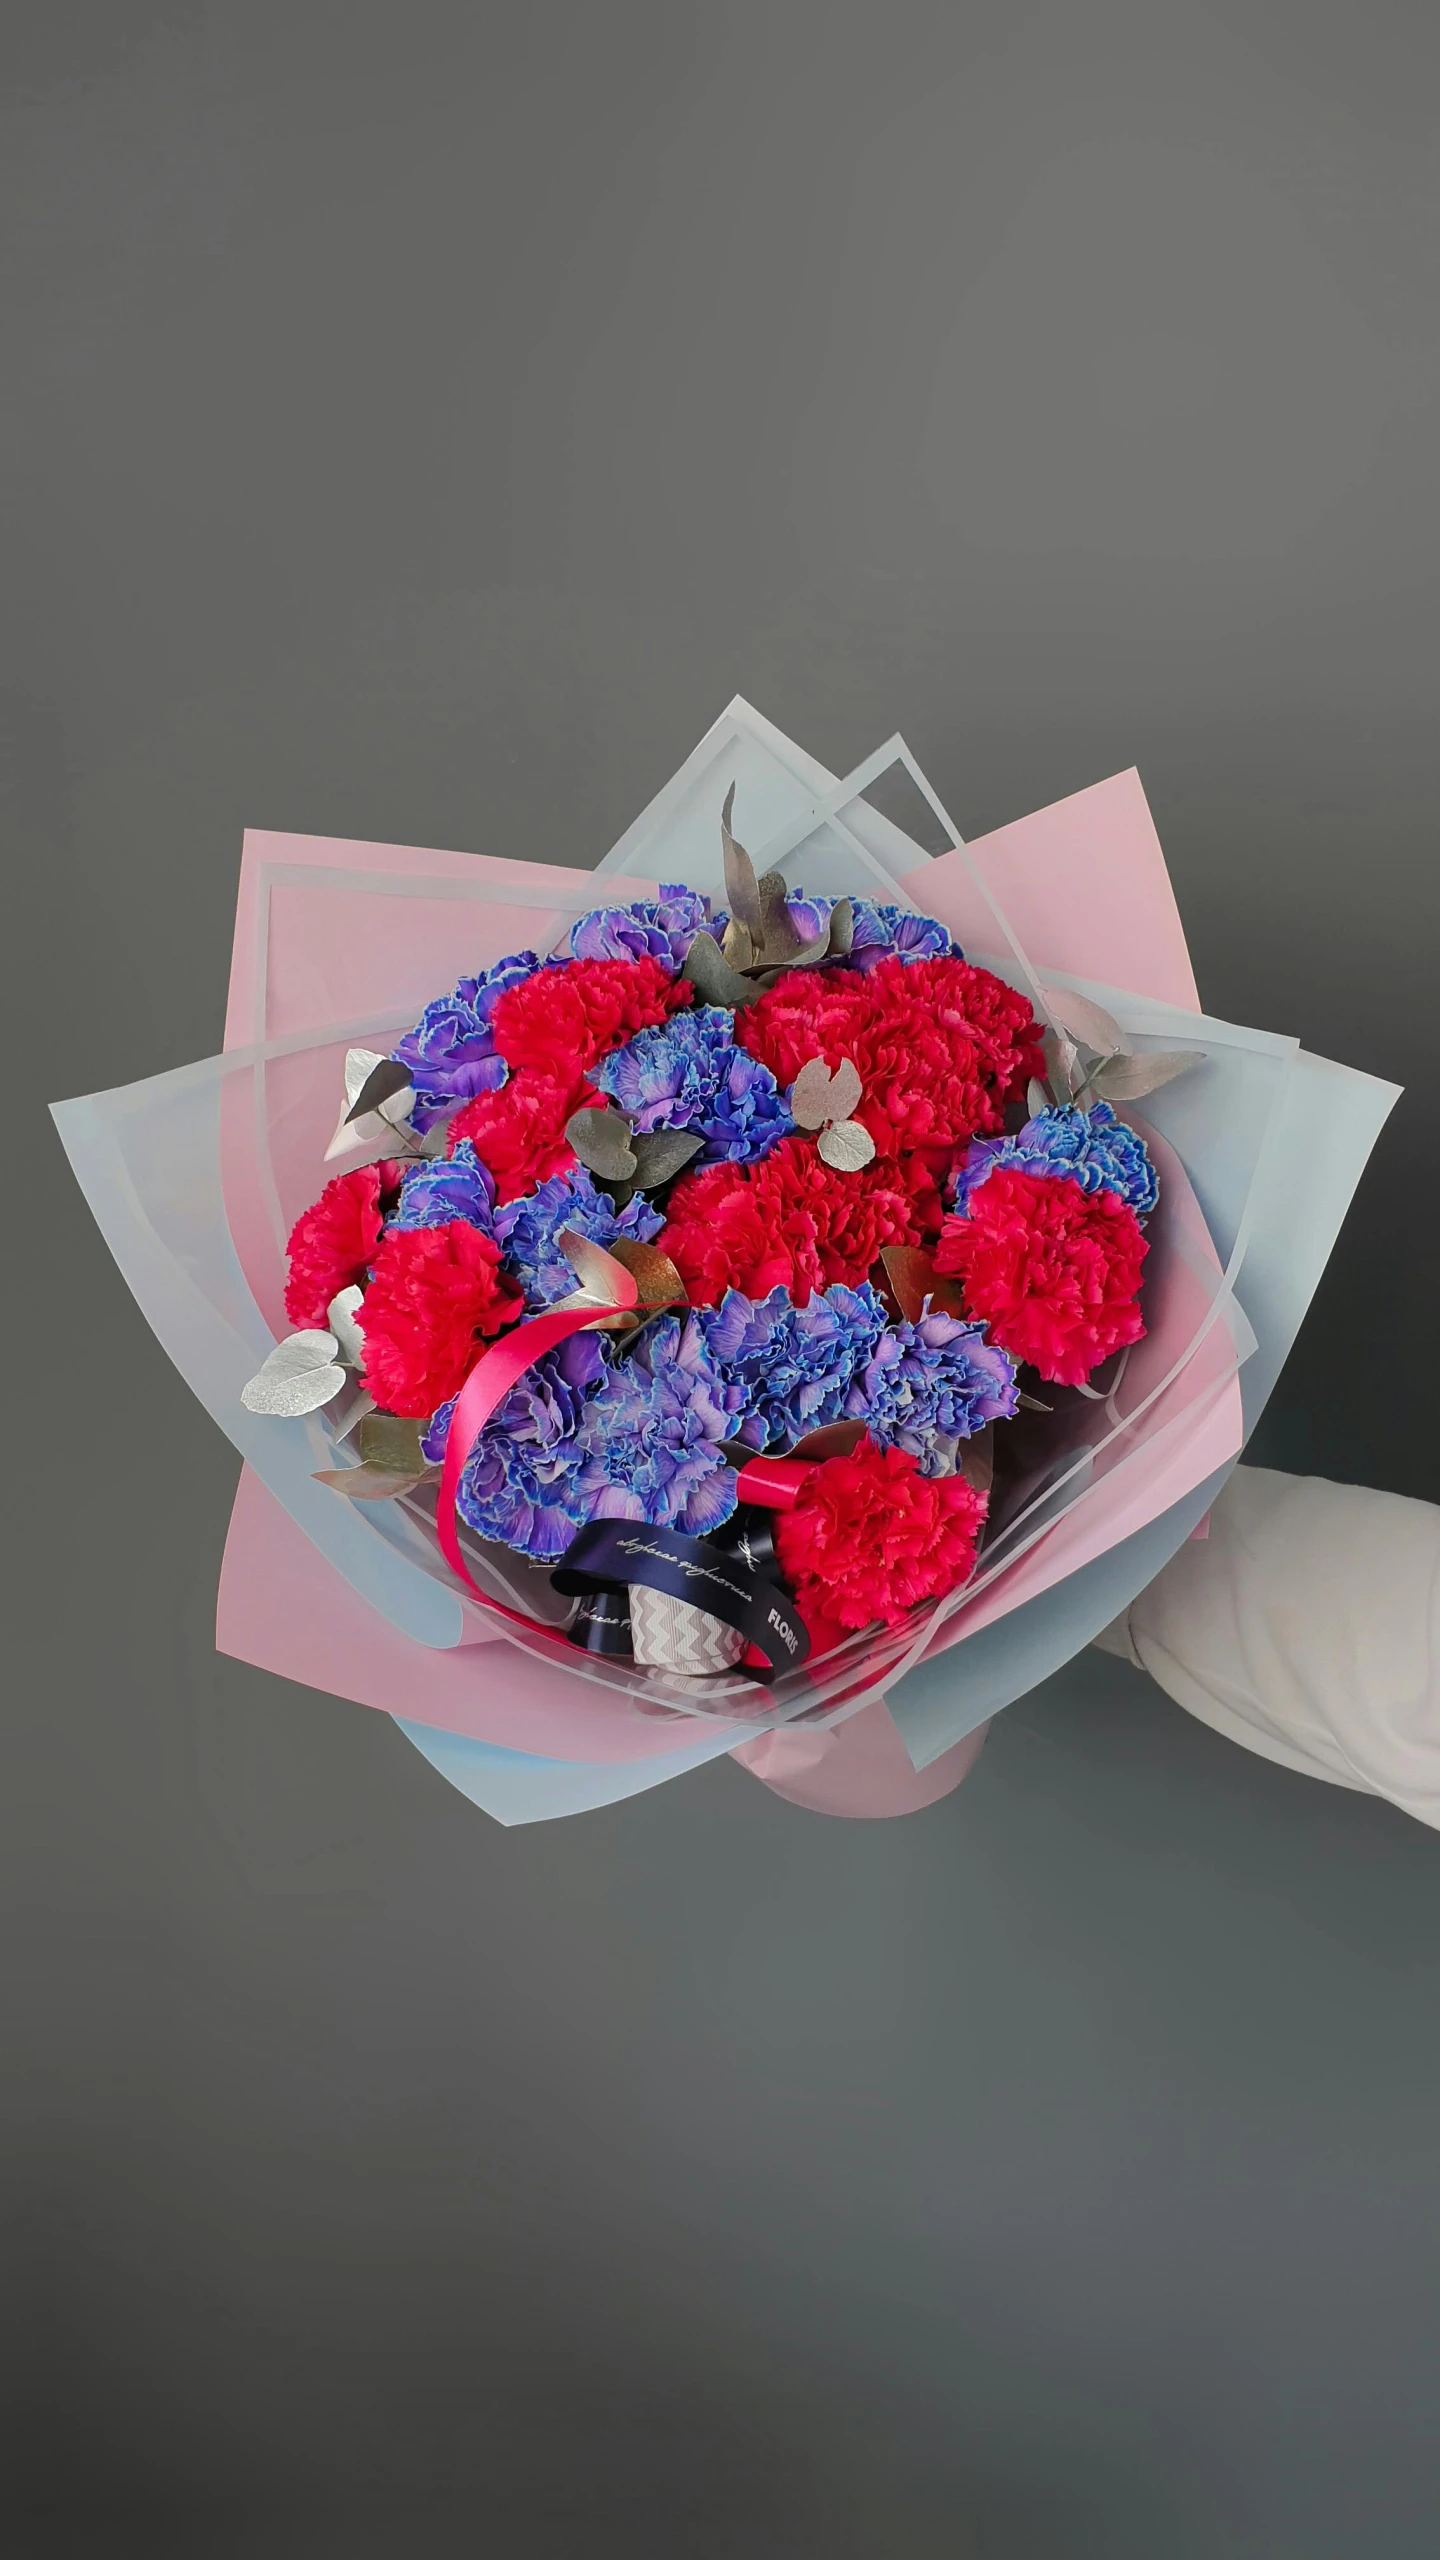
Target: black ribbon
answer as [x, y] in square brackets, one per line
[601, 1624]
[730, 1581]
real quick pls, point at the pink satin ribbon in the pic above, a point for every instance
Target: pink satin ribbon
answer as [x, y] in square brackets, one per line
[487, 1386]
[775, 1482]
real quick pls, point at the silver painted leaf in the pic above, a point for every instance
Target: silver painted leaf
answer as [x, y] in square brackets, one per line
[782, 934]
[845, 1089]
[847, 1145]
[1037, 1098]
[810, 1095]
[742, 889]
[712, 976]
[359, 1063]
[1083, 1020]
[341, 1315]
[842, 929]
[736, 947]
[817, 1096]
[1062, 1060]
[388, 1092]
[601, 1140]
[659, 1153]
[300, 1375]
[1126, 1079]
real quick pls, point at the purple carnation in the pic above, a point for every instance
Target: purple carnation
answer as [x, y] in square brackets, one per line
[690, 1073]
[519, 1484]
[1098, 1151]
[527, 1230]
[659, 928]
[450, 1054]
[931, 1385]
[650, 1438]
[457, 1186]
[794, 1365]
[885, 932]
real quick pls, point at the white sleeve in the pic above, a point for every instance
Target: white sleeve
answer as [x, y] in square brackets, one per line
[1307, 1626]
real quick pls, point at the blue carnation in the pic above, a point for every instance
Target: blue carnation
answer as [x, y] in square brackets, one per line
[519, 1484]
[690, 1073]
[1098, 1151]
[931, 1385]
[650, 1437]
[794, 1365]
[457, 1186]
[885, 932]
[527, 1230]
[658, 928]
[451, 1054]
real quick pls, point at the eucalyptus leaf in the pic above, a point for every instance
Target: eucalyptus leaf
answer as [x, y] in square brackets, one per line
[1062, 1060]
[736, 946]
[842, 929]
[810, 1095]
[341, 1316]
[782, 934]
[711, 975]
[846, 1145]
[810, 954]
[817, 1096]
[1037, 1098]
[656, 1279]
[601, 1140]
[600, 1275]
[386, 1083]
[660, 1153]
[359, 1063]
[910, 1274]
[392, 1441]
[1083, 1020]
[300, 1375]
[372, 1484]
[742, 890]
[1126, 1079]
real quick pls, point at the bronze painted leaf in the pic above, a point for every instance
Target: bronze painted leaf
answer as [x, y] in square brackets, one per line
[391, 1441]
[653, 1272]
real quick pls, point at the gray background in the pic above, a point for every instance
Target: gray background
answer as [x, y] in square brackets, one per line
[422, 419]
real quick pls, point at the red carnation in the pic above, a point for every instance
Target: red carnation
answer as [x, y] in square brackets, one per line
[564, 1020]
[332, 1245]
[436, 1292]
[793, 1221]
[1052, 1270]
[940, 1046]
[870, 1536]
[991, 1015]
[519, 1130]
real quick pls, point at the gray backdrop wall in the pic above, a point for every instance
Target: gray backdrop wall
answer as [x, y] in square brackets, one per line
[421, 420]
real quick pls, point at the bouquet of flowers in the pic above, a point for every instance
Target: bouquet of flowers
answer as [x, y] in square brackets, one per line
[750, 1288]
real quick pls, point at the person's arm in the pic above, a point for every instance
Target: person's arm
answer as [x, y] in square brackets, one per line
[1306, 1626]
